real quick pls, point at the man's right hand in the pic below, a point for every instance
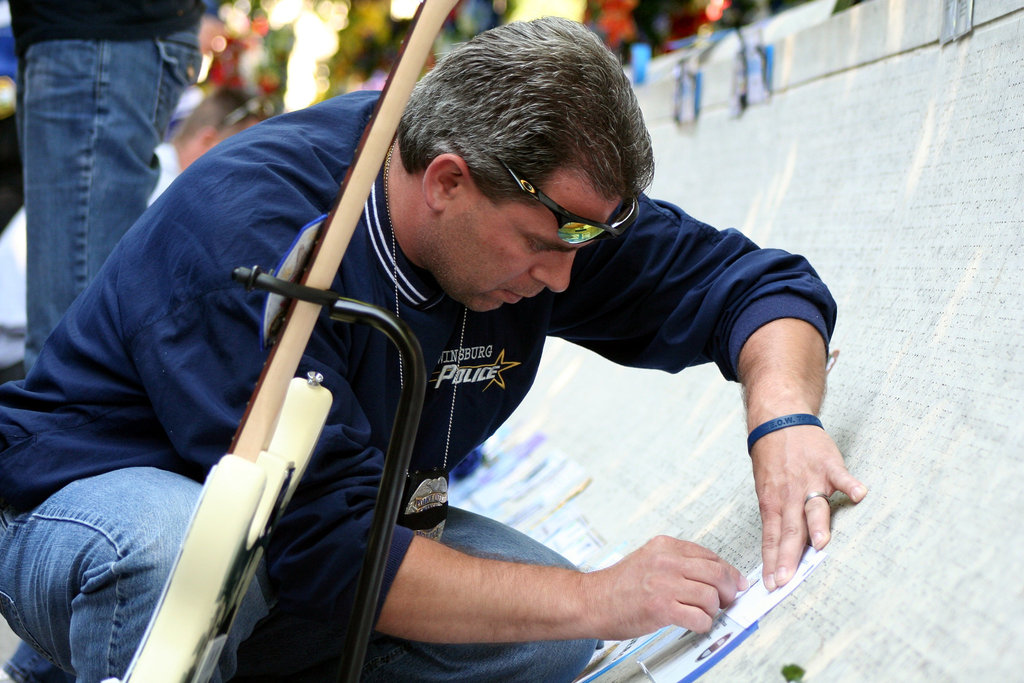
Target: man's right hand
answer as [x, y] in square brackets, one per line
[666, 581]
[442, 595]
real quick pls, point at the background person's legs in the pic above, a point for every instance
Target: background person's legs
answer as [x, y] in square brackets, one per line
[90, 115]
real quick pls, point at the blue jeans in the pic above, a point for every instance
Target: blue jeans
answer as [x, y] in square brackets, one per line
[90, 113]
[80, 574]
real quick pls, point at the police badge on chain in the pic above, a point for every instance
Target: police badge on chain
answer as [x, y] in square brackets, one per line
[427, 506]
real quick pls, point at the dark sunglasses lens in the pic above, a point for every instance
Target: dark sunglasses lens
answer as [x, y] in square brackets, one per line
[578, 233]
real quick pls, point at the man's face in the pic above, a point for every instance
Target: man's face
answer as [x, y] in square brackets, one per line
[485, 254]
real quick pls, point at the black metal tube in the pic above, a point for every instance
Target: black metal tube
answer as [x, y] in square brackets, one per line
[396, 465]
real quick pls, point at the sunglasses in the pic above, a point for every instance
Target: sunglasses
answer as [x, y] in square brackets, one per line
[575, 229]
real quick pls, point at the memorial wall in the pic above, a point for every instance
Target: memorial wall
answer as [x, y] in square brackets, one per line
[886, 144]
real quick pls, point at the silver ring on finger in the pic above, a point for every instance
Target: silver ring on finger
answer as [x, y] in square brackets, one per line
[817, 494]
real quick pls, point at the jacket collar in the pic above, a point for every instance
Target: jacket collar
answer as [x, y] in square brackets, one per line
[416, 287]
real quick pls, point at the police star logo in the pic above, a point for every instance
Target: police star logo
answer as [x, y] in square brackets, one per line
[502, 365]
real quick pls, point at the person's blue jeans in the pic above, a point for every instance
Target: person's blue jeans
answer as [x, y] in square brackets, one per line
[90, 114]
[80, 575]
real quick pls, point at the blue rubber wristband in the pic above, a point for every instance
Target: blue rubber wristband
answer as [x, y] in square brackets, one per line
[781, 423]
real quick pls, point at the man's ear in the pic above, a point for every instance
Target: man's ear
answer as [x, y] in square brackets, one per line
[446, 180]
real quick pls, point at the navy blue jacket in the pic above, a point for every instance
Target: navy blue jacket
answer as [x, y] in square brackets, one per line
[154, 363]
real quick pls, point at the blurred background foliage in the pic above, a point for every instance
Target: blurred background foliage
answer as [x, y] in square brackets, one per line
[297, 52]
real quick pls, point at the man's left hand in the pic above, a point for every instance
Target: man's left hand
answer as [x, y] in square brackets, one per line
[790, 466]
[782, 368]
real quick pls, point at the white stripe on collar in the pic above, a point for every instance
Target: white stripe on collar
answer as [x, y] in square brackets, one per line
[380, 237]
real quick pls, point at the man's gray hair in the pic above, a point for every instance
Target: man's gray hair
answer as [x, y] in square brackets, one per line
[539, 96]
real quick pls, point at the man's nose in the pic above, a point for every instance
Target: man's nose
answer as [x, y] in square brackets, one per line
[553, 270]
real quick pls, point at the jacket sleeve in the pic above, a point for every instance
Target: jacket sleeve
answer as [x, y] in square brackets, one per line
[674, 292]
